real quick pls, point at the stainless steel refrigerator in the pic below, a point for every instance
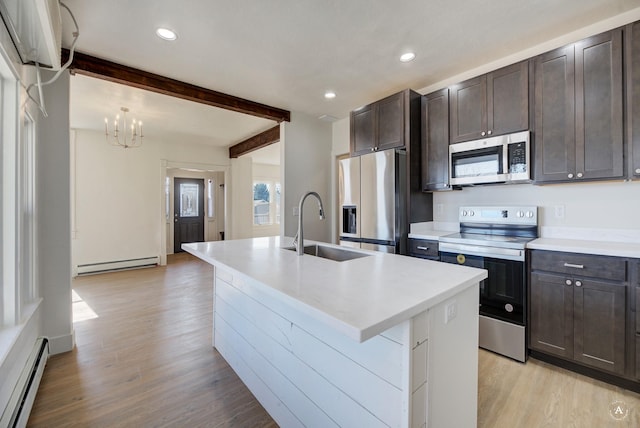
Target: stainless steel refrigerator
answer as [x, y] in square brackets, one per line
[372, 198]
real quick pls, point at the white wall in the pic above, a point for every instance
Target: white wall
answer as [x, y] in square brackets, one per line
[602, 205]
[53, 198]
[340, 146]
[307, 146]
[119, 195]
[240, 190]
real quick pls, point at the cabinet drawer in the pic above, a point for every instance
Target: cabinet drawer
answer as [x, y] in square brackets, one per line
[580, 265]
[423, 248]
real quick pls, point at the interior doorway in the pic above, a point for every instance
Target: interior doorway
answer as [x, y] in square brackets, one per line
[188, 216]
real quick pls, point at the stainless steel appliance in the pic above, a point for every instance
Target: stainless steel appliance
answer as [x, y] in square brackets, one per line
[501, 159]
[494, 238]
[372, 198]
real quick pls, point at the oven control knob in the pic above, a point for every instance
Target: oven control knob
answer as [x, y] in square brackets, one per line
[508, 307]
[471, 213]
[520, 214]
[529, 214]
[464, 213]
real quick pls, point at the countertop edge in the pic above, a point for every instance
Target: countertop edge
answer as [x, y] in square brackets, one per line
[602, 248]
[355, 333]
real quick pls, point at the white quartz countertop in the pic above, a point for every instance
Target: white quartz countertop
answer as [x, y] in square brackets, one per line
[432, 230]
[604, 248]
[360, 298]
[433, 235]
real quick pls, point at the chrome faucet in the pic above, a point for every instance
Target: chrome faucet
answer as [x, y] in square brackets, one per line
[298, 241]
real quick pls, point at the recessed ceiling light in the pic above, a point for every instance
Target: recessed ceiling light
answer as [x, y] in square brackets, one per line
[166, 34]
[329, 95]
[406, 57]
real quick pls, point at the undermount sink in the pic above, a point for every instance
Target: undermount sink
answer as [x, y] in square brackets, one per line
[331, 253]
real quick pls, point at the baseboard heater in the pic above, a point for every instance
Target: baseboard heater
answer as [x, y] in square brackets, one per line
[102, 267]
[16, 414]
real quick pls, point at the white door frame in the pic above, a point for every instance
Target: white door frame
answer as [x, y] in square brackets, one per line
[164, 165]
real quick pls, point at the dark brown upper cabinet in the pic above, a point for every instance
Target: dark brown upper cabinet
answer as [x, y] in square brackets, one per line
[578, 111]
[435, 141]
[496, 103]
[632, 61]
[381, 125]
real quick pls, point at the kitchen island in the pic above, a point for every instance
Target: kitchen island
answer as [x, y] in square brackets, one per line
[381, 340]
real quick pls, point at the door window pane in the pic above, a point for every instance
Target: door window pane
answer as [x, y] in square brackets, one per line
[188, 200]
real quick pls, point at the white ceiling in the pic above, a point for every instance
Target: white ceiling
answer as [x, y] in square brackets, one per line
[287, 53]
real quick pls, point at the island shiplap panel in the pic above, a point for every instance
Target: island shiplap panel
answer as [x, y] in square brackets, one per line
[284, 393]
[380, 355]
[277, 410]
[322, 373]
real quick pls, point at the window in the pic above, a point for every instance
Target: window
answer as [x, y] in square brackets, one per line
[18, 287]
[167, 200]
[26, 242]
[10, 293]
[211, 199]
[266, 202]
[189, 200]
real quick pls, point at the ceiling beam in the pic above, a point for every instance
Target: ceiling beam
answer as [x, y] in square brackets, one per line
[256, 142]
[102, 69]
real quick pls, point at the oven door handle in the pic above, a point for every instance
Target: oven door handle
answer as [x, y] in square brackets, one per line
[477, 250]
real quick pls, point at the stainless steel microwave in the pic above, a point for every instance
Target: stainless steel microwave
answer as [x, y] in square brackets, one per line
[501, 159]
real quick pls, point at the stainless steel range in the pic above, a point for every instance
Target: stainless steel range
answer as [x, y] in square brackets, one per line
[494, 238]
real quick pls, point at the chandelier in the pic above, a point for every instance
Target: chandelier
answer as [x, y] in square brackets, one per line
[123, 135]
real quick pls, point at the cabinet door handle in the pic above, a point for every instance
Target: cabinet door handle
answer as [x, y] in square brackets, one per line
[568, 282]
[483, 133]
[637, 170]
[579, 175]
[489, 132]
[578, 283]
[571, 265]
[422, 248]
[570, 175]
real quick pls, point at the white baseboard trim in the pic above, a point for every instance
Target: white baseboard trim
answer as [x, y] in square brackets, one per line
[60, 344]
[90, 268]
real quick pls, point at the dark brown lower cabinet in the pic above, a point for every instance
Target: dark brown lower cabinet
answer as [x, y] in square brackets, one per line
[577, 318]
[599, 324]
[551, 317]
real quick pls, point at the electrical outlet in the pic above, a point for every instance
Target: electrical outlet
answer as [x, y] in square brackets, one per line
[450, 311]
[559, 211]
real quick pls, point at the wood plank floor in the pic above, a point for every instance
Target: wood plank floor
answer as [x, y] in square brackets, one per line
[147, 360]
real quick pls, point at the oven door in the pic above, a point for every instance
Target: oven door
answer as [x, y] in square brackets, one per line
[502, 294]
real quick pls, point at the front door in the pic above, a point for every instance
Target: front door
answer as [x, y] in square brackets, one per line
[188, 212]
